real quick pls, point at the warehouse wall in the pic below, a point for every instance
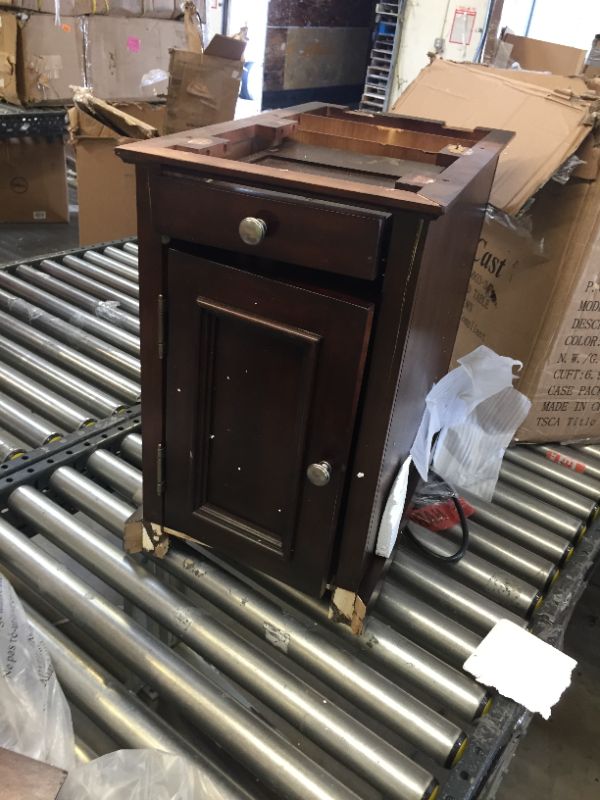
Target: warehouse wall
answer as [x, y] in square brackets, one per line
[428, 20]
[316, 50]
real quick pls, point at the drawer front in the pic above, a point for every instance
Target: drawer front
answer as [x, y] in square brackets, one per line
[309, 233]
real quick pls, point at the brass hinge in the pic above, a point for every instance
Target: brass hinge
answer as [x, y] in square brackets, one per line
[161, 303]
[160, 468]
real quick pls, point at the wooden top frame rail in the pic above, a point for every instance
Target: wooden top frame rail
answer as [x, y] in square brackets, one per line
[233, 150]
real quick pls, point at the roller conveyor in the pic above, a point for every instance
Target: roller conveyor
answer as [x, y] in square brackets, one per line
[251, 679]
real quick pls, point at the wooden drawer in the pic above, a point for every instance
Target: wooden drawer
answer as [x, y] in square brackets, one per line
[310, 233]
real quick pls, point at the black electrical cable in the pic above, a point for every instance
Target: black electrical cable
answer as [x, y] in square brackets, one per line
[453, 557]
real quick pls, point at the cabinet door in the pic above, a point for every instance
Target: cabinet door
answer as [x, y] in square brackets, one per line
[263, 380]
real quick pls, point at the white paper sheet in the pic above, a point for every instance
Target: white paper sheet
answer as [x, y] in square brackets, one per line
[522, 667]
[392, 513]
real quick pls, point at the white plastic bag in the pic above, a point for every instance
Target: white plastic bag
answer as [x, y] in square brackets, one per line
[35, 719]
[475, 410]
[139, 775]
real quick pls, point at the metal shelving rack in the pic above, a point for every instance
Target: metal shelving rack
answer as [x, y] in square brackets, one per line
[382, 58]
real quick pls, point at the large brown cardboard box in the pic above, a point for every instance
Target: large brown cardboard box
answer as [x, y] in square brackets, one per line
[535, 295]
[120, 52]
[51, 59]
[8, 57]
[33, 180]
[105, 184]
[534, 292]
[204, 87]
[76, 8]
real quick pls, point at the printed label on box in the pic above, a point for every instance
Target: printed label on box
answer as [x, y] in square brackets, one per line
[134, 45]
[39, 215]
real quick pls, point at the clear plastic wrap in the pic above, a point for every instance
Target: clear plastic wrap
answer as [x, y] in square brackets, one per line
[35, 719]
[139, 775]
[566, 169]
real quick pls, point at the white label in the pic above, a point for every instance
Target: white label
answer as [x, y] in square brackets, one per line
[39, 215]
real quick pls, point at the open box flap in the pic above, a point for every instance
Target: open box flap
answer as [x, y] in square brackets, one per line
[549, 126]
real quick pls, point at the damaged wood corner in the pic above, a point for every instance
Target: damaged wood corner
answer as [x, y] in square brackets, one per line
[349, 609]
[142, 536]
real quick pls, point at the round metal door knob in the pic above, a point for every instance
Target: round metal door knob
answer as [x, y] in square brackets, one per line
[252, 230]
[319, 474]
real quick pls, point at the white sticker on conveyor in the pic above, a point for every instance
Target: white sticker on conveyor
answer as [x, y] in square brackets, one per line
[522, 667]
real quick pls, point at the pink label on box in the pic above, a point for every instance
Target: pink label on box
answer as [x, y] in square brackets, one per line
[134, 44]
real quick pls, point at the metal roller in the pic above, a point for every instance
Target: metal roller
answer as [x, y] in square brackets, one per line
[118, 254]
[131, 247]
[125, 478]
[554, 519]
[69, 277]
[548, 491]
[282, 767]
[448, 595]
[100, 505]
[496, 549]
[83, 752]
[68, 385]
[90, 269]
[582, 463]
[538, 463]
[592, 450]
[113, 265]
[112, 308]
[71, 334]
[519, 530]
[499, 585]
[76, 362]
[435, 631]
[396, 654]
[10, 446]
[131, 448]
[76, 317]
[334, 730]
[308, 645]
[50, 404]
[114, 709]
[30, 427]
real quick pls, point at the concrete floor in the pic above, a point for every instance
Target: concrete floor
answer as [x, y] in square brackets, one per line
[560, 759]
[31, 239]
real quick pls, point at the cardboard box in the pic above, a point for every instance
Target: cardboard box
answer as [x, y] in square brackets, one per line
[33, 180]
[535, 295]
[549, 124]
[204, 87]
[105, 184]
[8, 57]
[535, 54]
[51, 59]
[120, 52]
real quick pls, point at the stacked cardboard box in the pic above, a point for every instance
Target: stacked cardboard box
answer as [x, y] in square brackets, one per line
[121, 56]
[534, 292]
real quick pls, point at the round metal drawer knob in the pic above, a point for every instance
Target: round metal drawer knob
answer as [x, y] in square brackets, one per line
[319, 474]
[252, 230]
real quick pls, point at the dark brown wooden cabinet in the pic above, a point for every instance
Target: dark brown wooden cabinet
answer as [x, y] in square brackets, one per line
[302, 275]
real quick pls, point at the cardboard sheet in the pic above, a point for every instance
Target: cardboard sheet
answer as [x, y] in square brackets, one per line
[465, 96]
[536, 54]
